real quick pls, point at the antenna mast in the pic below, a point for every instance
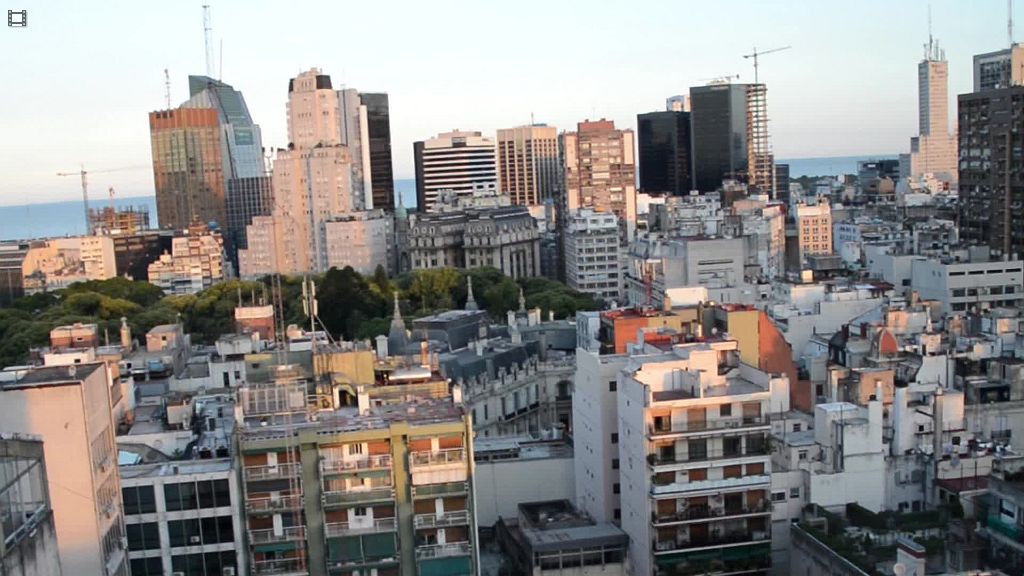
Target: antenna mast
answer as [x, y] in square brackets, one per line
[207, 37]
[1009, 22]
[167, 87]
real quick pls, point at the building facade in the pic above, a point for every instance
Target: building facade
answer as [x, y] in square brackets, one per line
[593, 254]
[600, 172]
[934, 151]
[378, 132]
[528, 166]
[719, 128]
[70, 406]
[28, 539]
[1000, 69]
[196, 262]
[457, 162]
[665, 152]
[814, 229]
[362, 240]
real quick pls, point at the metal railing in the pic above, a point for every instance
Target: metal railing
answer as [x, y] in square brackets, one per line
[446, 489]
[452, 518]
[345, 497]
[679, 458]
[335, 529]
[377, 462]
[281, 567]
[739, 537]
[269, 536]
[276, 472]
[708, 512]
[427, 458]
[708, 425]
[271, 505]
[443, 550]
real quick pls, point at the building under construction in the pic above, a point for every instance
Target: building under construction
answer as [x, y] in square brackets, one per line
[110, 220]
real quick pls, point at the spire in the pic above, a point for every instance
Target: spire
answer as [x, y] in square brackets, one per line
[397, 314]
[470, 301]
[398, 338]
[522, 300]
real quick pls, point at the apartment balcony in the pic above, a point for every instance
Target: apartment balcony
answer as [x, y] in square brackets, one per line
[670, 489]
[349, 498]
[445, 520]
[662, 463]
[269, 536]
[376, 526]
[274, 505]
[440, 490]
[426, 459]
[745, 423]
[283, 567]
[275, 472]
[726, 540]
[704, 513]
[378, 462]
[449, 550]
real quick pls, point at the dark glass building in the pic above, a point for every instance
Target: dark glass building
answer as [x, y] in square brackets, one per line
[663, 139]
[782, 182]
[133, 253]
[382, 177]
[991, 167]
[718, 123]
[246, 198]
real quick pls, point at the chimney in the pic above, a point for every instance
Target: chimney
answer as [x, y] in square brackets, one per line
[126, 335]
[363, 400]
[424, 354]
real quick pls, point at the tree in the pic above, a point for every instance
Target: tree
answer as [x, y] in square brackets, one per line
[433, 290]
[346, 301]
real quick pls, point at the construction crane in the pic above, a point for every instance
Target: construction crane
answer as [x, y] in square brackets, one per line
[84, 174]
[755, 54]
[721, 79]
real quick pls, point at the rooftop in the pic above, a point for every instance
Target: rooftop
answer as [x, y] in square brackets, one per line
[555, 525]
[48, 375]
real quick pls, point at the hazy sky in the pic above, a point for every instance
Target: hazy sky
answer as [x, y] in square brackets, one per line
[79, 81]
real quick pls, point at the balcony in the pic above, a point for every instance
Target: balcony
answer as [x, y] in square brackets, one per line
[376, 526]
[658, 461]
[284, 567]
[700, 426]
[378, 462]
[269, 536]
[346, 498]
[444, 520]
[729, 539]
[428, 459]
[432, 551]
[274, 505]
[275, 472]
[695, 513]
[438, 490]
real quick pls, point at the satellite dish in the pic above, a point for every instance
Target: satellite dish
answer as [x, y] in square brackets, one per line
[899, 569]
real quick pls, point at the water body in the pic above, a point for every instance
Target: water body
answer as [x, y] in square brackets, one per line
[53, 219]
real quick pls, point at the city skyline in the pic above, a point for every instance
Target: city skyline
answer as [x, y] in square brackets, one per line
[813, 111]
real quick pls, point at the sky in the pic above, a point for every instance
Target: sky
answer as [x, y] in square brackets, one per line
[80, 79]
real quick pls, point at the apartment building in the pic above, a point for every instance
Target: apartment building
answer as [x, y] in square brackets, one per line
[69, 407]
[382, 487]
[695, 470]
[593, 252]
[814, 229]
[28, 539]
[600, 171]
[529, 170]
[978, 284]
[196, 262]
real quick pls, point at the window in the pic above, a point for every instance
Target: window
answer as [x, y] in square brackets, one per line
[147, 567]
[778, 496]
[613, 385]
[615, 437]
[199, 564]
[697, 449]
[354, 449]
[143, 536]
[616, 488]
[958, 292]
[617, 515]
[732, 471]
[725, 410]
[180, 496]
[138, 499]
[615, 463]
[794, 492]
[801, 455]
[359, 511]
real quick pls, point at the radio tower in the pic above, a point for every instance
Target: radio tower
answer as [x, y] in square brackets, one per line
[208, 39]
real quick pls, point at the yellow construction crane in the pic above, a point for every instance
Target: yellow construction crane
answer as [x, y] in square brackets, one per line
[755, 54]
[84, 174]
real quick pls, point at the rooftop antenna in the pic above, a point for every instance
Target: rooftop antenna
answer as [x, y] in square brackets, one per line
[220, 67]
[207, 37]
[1009, 22]
[167, 88]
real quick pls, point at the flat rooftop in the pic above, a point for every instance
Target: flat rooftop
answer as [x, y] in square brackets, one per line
[174, 468]
[51, 375]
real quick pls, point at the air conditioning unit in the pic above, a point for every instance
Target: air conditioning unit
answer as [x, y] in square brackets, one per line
[193, 540]
[228, 571]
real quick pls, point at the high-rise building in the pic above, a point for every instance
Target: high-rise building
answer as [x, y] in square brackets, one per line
[678, 103]
[814, 229]
[782, 183]
[720, 137]
[28, 539]
[664, 152]
[378, 129]
[760, 160]
[12, 283]
[999, 69]
[934, 150]
[593, 253]
[133, 253]
[529, 170]
[196, 262]
[247, 198]
[600, 171]
[991, 203]
[198, 149]
[456, 161]
[70, 408]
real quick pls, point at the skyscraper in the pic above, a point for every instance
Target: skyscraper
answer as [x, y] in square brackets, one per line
[991, 201]
[382, 178]
[720, 139]
[664, 151]
[600, 171]
[528, 165]
[999, 69]
[934, 150]
[453, 161]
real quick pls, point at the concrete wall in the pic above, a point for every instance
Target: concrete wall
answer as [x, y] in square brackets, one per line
[595, 418]
[502, 485]
[36, 555]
